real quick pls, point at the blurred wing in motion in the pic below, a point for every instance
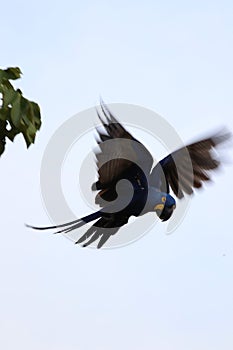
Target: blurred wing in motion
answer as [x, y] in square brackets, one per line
[119, 157]
[188, 167]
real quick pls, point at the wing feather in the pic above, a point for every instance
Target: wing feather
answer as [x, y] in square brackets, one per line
[187, 168]
[117, 154]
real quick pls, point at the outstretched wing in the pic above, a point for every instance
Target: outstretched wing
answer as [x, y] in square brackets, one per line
[188, 167]
[119, 156]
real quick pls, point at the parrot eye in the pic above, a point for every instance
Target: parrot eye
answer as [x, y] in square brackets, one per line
[163, 199]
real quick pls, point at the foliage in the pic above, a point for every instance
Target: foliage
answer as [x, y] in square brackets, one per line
[17, 114]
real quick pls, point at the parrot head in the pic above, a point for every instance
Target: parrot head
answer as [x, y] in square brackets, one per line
[165, 207]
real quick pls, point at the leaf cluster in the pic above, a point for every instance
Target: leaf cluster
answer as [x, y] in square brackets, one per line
[17, 114]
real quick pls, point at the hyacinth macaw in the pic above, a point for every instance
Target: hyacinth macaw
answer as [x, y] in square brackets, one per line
[147, 189]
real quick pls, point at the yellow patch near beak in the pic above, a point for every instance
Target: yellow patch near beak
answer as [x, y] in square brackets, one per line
[159, 207]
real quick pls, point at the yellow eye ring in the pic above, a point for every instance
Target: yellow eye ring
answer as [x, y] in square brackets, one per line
[163, 199]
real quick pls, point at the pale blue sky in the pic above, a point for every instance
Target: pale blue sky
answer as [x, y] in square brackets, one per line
[162, 292]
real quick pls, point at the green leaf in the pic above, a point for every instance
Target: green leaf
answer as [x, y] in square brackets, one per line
[37, 116]
[11, 73]
[9, 95]
[10, 134]
[5, 84]
[16, 110]
[29, 134]
[4, 114]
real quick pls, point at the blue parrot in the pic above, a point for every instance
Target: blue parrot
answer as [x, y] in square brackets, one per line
[128, 184]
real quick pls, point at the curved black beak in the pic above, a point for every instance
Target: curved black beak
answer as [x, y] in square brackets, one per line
[166, 213]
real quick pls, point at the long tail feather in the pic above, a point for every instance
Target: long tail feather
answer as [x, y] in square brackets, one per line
[69, 226]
